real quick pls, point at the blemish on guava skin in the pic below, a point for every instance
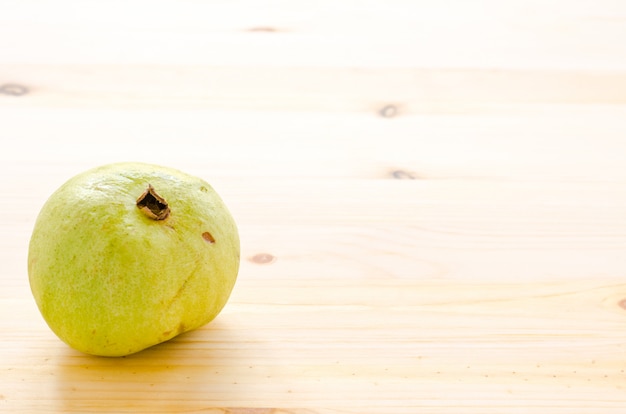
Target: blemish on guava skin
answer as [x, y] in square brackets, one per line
[208, 237]
[622, 303]
[263, 258]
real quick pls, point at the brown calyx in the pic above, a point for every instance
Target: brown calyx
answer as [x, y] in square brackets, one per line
[153, 205]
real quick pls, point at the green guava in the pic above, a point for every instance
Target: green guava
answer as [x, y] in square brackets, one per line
[125, 256]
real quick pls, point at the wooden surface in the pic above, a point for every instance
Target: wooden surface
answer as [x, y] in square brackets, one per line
[431, 197]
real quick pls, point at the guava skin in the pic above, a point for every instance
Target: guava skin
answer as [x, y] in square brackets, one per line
[111, 281]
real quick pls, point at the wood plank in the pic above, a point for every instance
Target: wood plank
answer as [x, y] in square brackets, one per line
[512, 341]
[485, 33]
[542, 143]
[416, 90]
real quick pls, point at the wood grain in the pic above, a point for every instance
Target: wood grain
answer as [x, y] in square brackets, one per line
[431, 198]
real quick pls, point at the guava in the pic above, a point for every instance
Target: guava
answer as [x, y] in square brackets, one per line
[128, 255]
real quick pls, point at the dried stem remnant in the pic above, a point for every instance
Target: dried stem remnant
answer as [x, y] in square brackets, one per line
[153, 205]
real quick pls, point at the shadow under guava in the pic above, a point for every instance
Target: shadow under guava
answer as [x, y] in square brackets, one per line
[186, 372]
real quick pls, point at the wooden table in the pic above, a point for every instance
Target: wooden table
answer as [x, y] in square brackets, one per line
[431, 198]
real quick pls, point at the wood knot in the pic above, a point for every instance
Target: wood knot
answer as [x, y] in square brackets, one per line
[263, 258]
[388, 111]
[13, 89]
[403, 175]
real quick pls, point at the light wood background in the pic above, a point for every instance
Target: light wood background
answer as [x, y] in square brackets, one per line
[431, 197]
